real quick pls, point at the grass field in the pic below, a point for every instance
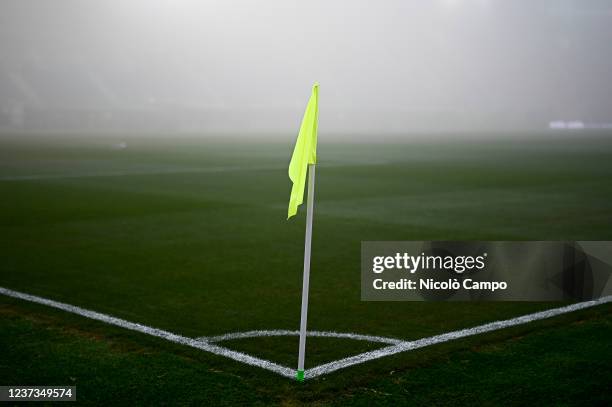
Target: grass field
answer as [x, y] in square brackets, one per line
[189, 235]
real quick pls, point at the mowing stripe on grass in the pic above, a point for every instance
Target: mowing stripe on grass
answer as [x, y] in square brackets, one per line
[397, 346]
[162, 171]
[132, 172]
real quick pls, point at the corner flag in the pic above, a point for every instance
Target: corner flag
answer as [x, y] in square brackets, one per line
[305, 151]
[303, 160]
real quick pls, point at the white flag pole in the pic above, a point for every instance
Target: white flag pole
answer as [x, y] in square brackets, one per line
[306, 278]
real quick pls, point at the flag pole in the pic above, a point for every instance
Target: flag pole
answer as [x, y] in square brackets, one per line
[306, 278]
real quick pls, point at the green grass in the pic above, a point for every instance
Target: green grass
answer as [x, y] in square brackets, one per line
[189, 235]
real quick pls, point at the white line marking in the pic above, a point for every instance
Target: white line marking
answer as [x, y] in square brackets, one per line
[194, 343]
[284, 332]
[397, 346]
[449, 336]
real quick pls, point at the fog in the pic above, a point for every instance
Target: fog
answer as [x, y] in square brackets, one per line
[247, 67]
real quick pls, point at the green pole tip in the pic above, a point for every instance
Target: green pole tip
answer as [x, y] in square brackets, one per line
[300, 376]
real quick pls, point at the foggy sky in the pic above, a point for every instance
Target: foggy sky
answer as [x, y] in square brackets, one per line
[383, 65]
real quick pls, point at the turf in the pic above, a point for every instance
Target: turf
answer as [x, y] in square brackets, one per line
[189, 235]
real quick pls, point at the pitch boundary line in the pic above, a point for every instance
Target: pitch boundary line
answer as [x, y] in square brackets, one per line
[169, 336]
[396, 346]
[449, 336]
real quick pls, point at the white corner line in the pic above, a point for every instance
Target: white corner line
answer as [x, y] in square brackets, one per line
[169, 336]
[396, 345]
[449, 336]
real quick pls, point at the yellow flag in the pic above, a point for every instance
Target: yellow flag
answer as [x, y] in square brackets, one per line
[304, 152]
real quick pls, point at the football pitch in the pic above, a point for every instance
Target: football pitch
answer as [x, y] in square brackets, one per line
[189, 235]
